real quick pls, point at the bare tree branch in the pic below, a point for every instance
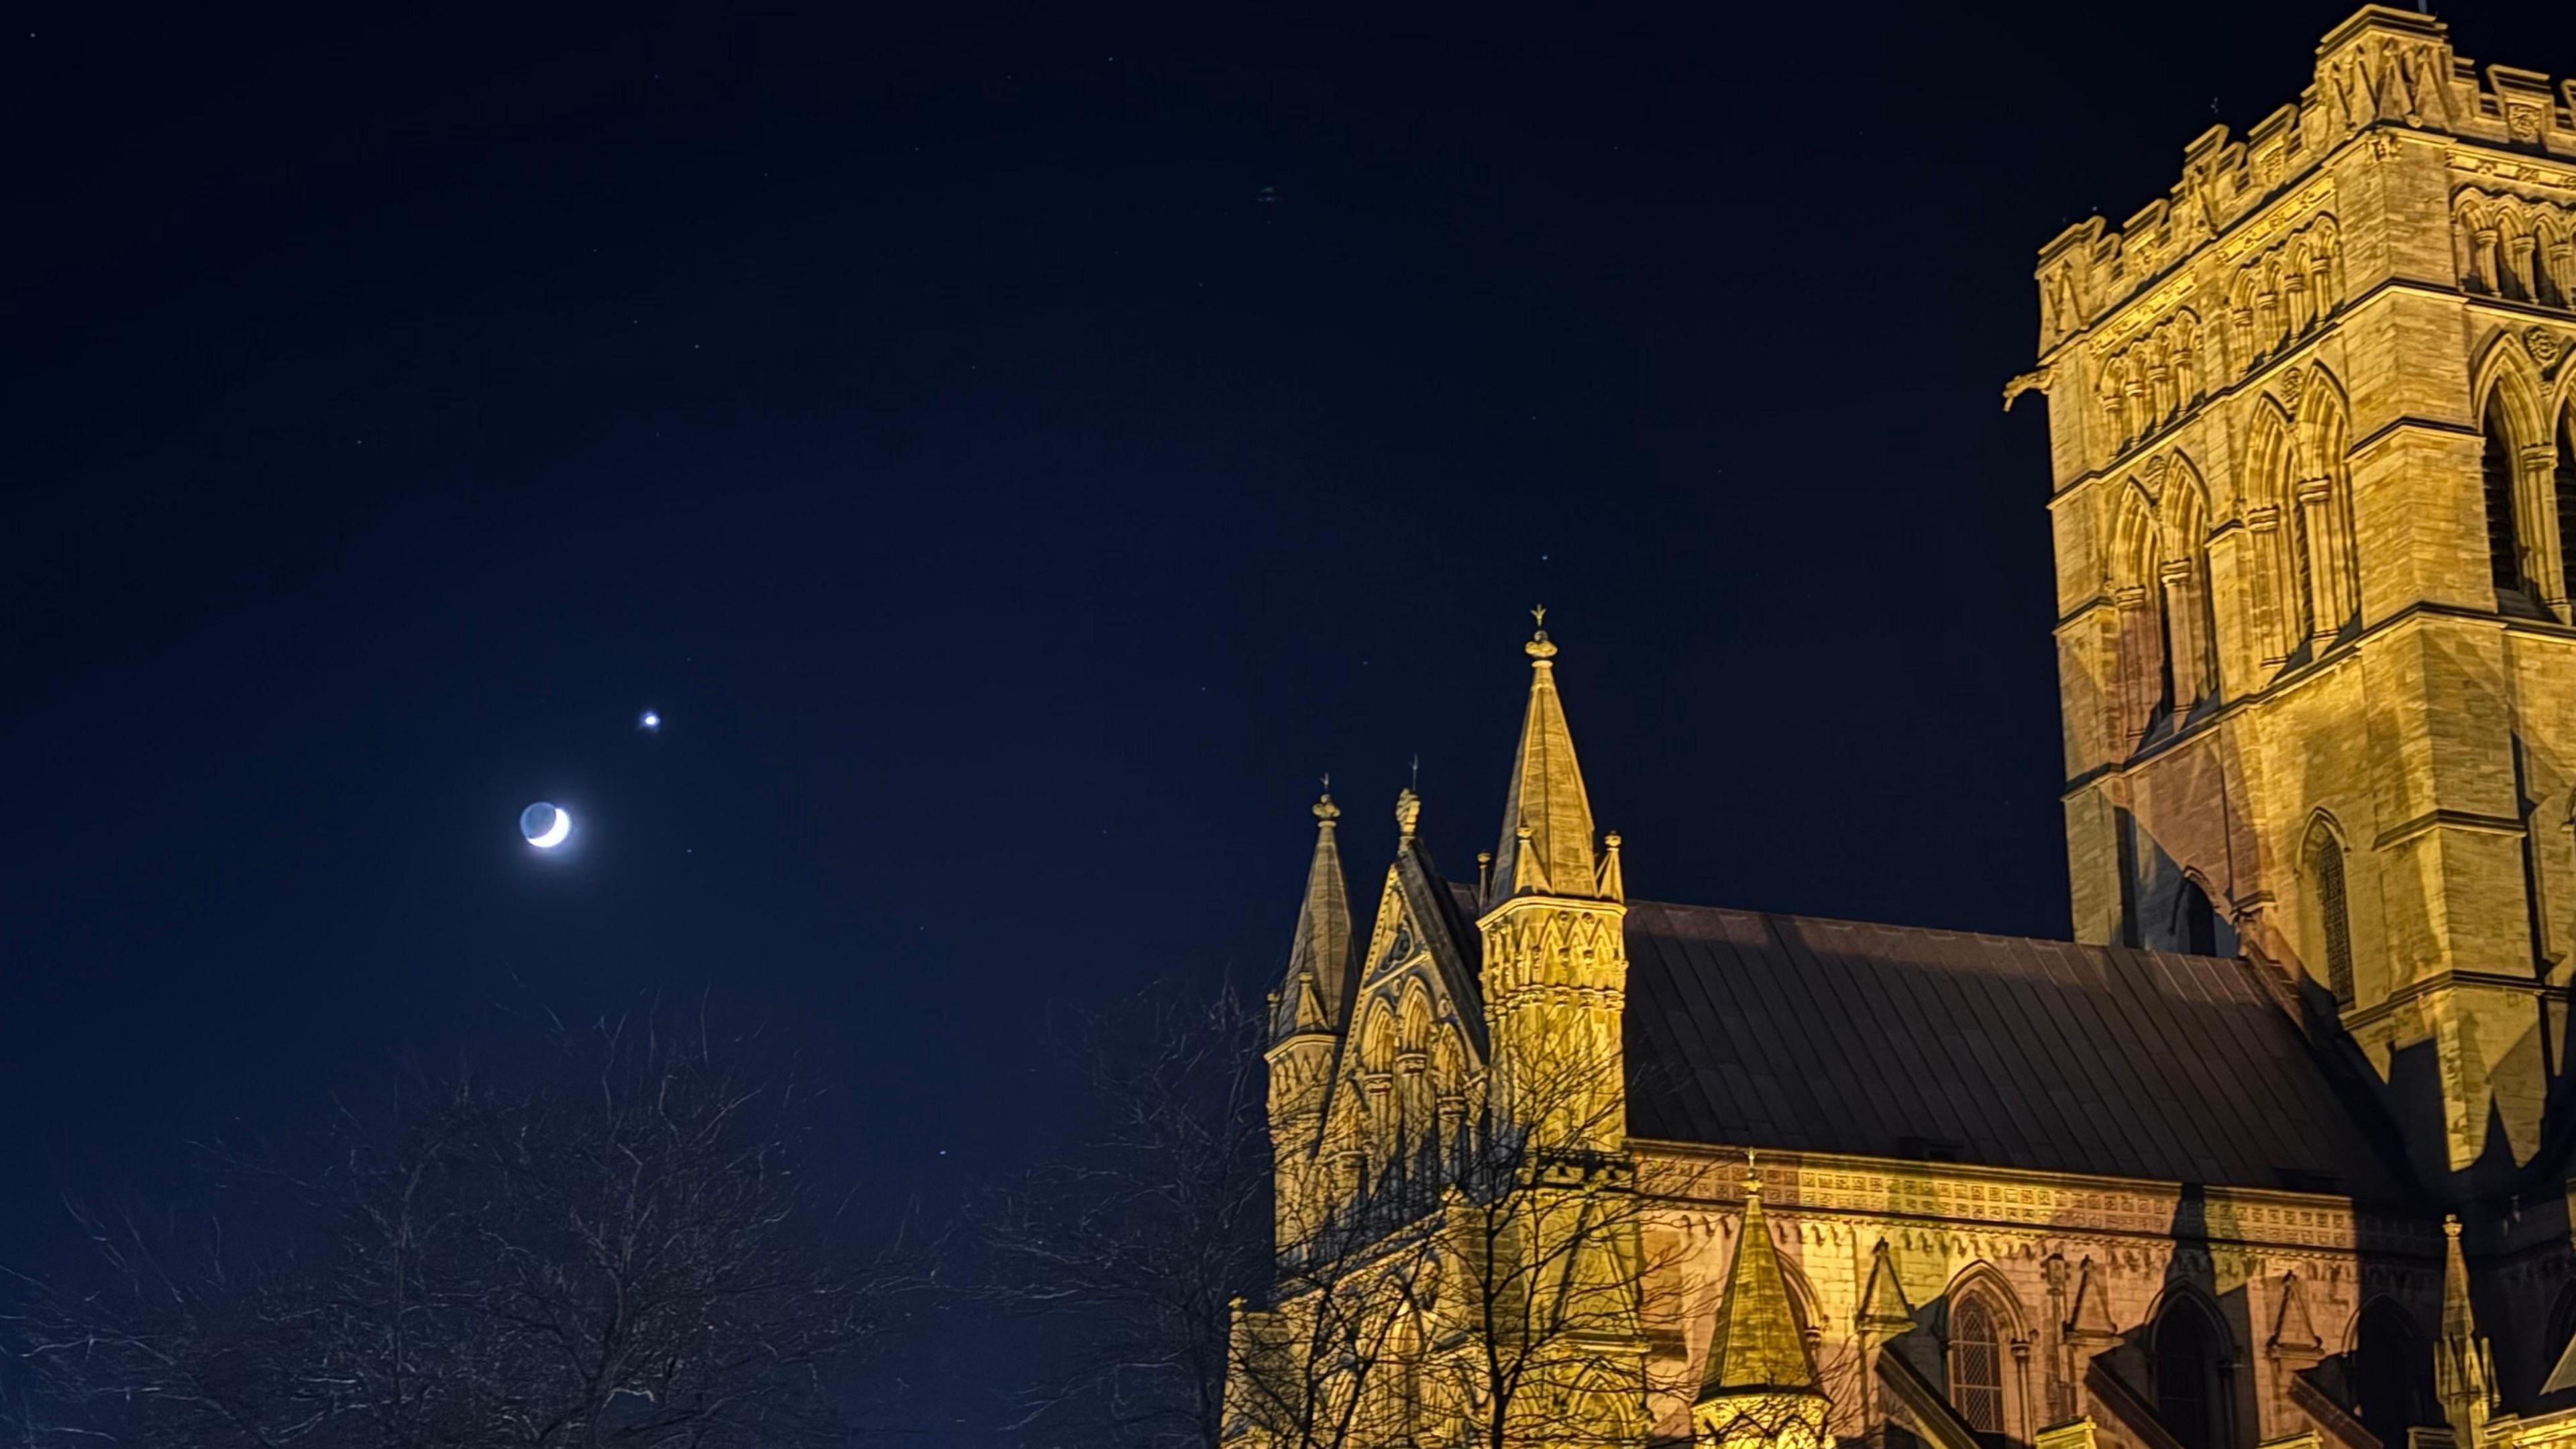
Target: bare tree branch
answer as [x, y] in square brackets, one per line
[617, 1246]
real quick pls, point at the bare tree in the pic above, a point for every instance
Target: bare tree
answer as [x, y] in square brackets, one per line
[618, 1246]
[1134, 1245]
[1485, 1290]
[1482, 1289]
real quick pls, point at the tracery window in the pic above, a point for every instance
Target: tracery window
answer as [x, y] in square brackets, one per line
[1976, 1366]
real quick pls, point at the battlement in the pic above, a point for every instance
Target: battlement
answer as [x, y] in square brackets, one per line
[2383, 68]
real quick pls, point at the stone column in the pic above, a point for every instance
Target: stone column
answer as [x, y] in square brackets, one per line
[1377, 1096]
[2519, 254]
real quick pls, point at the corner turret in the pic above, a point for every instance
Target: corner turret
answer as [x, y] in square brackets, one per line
[1306, 1025]
[1556, 959]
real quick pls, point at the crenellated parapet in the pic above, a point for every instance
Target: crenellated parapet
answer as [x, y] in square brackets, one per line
[2382, 70]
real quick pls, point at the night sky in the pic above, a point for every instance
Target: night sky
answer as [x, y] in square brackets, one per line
[1017, 452]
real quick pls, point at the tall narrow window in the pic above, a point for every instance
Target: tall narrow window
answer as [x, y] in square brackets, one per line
[2195, 927]
[2504, 538]
[2565, 481]
[1976, 1366]
[2392, 1370]
[2334, 911]
[2164, 661]
[2189, 1384]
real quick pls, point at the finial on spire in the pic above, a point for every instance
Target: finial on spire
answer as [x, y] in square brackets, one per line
[1325, 809]
[1538, 647]
[1408, 811]
[1752, 1175]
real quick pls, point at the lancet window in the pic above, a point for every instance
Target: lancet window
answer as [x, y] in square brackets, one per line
[2505, 530]
[2334, 910]
[2563, 492]
[2299, 515]
[1976, 1365]
[2191, 1376]
[2166, 640]
[2393, 1367]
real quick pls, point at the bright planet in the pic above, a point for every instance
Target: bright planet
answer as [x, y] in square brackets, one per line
[545, 824]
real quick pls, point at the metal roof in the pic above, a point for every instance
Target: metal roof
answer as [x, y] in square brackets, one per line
[1789, 1032]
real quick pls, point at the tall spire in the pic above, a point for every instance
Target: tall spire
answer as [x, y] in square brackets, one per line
[1547, 819]
[1758, 1347]
[1319, 958]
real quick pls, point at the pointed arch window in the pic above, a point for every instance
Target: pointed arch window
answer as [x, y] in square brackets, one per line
[1977, 1365]
[2393, 1368]
[2504, 529]
[2191, 1377]
[2321, 501]
[2334, 910]
[2563, 486]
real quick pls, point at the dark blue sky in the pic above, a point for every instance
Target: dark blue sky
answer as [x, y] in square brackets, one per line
[1017, 451]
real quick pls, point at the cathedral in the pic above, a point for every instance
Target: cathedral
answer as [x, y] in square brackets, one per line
[2276, 1150]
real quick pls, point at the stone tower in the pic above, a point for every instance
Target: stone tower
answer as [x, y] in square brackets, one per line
[2315, 527]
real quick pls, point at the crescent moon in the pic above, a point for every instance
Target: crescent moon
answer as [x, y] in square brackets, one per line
[556, 832]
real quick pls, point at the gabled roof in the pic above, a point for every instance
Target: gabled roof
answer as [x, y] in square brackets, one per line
[1787, 1032]
[1456, 952]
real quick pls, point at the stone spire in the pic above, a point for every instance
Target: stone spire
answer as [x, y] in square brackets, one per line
[1319, 958]
[1760, 1385]
[1758, 1345]
[1547, 820]
[2463, 1370]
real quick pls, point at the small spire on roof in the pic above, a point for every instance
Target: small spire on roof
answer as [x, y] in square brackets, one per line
[1613, 883]
[1758, 1351]
[2463, 1366]
[1529, 873]
[1319, 954]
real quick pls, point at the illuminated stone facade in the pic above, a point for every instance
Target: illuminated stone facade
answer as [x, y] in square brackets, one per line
[2195, 1181]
